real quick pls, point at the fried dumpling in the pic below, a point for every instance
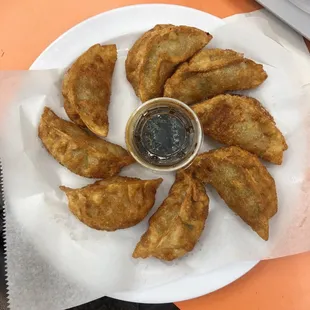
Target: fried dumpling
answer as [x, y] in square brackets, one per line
[243, 183]
[156, 54]
[81, 152]
[114, 203]
[212, 72]
[244, 122]
[176, 226]
[87, 88]
[134, 57]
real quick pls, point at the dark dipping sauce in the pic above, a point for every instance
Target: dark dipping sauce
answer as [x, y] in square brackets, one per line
[163, 136]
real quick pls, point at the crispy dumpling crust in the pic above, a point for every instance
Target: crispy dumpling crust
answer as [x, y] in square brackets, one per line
[244, 122]
[156, 54]
[81, 152]
[176, 226]
[243, 183]
[212, 72]
[114, 203]
[72, 114]
[87, 88]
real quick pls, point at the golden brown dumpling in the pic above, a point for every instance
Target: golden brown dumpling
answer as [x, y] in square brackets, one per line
[81, 152]
[87, 88]
[244, 122]
[134, 57]
[243, 183]
[212, 72]
[156, 54]
[176, 226]
[114, 203]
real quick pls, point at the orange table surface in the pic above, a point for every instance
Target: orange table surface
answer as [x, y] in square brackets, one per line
[27, 27]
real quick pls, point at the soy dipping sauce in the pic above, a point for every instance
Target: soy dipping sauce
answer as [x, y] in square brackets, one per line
[163, 136]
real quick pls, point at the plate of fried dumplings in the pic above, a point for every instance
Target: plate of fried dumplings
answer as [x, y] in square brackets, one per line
[242, 140]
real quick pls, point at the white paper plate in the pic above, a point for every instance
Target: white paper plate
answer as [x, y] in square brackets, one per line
[117, 26]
